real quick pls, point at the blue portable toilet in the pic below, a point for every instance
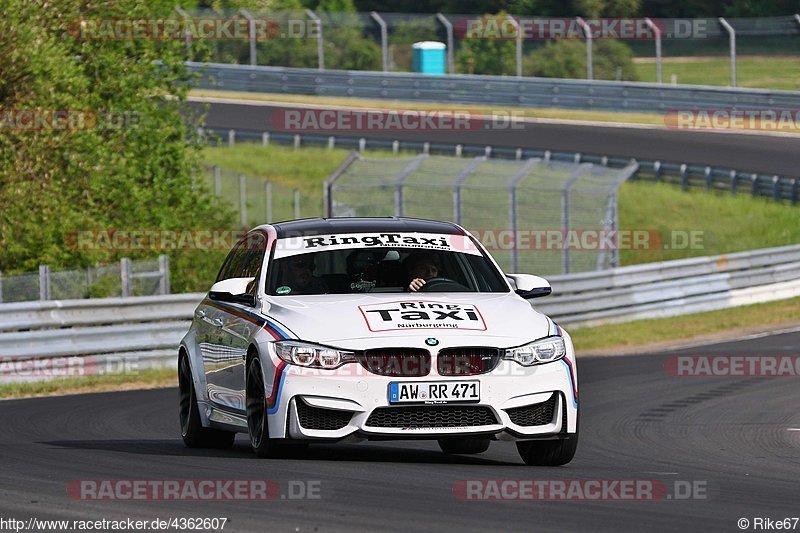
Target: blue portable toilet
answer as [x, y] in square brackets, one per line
[428, 57]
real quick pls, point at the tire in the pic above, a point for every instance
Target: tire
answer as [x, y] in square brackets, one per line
[548, 452]
[464, 446]
[257, 426]
[192, 430]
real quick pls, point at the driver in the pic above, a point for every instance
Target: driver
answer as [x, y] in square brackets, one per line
[298, 277]
[421, 267]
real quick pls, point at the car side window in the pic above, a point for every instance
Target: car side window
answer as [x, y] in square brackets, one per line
[251, 266]
[230, 266]
[245, 259]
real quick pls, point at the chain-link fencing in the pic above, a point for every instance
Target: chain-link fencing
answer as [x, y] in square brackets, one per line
[534, 215]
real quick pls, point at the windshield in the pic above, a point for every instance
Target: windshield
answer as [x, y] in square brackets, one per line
[383, 270]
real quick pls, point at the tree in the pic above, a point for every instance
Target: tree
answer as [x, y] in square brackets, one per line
[125, 161]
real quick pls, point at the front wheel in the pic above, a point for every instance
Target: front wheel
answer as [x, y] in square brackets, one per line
[257, 425]
[548, 452]
[464, 446]
[192, 430]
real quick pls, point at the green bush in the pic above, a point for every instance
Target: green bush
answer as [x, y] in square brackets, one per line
[567, 59]
[487, 55]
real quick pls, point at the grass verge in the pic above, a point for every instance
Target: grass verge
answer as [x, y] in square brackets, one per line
[144, 379]
[757, 72]
[684, 328]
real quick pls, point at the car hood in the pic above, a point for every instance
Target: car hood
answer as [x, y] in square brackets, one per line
[453, 319]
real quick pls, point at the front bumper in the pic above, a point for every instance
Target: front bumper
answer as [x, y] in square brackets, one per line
[516, 403]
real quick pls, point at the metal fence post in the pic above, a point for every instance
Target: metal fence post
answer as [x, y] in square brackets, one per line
[732, 40]
[252, 24]
[320, 48]
[187, 33]
[565, 259]
[327, 187]
[44, 282]
[614, 255]
[265, 139]
[399, 201]
[217, 181]
[684, 177]
[512, 205]
[588, 32]
[268, 197]
[657, 35]
[459, 182]
[125, 276]
[518, 40]
[296, 204]
[1, 286]
[776, 188]
[163, 270]
[448, 27]
[243, 200]
[793, 197]
[231, 138]
[753, 184]
[384, 39]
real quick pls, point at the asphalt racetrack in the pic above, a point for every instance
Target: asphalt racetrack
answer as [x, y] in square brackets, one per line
[730, 437]
[767, 154]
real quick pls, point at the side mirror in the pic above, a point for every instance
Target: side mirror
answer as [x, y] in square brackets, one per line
[233, 290]
[529, 286]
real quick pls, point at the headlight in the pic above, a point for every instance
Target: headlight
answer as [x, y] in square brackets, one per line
[541, 351]
[312, 355]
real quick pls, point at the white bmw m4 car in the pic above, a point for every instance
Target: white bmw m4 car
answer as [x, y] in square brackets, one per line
[349, 329]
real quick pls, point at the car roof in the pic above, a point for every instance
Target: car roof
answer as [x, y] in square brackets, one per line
[326, 226]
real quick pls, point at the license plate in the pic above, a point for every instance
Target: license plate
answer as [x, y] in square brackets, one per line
[434, 391]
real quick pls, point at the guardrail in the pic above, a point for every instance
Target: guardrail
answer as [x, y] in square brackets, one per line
[490, 90]
[778, 188]
[148, 329]
[670, 288]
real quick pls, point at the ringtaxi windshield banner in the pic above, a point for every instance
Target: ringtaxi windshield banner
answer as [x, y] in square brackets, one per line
[425, 241]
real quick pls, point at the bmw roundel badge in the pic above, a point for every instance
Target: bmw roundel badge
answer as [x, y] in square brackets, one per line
[430, 341]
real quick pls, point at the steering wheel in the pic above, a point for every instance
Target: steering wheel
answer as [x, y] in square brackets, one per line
[442, 285]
